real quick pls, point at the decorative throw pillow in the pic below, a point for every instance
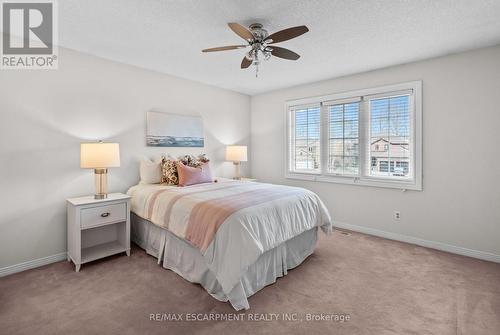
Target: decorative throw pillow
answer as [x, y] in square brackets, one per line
[203, 158]
[194, 175]
[169, 174]
[188, 160]
[194, 161]
[150, 171]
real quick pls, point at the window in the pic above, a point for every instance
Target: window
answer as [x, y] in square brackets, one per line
[368, 137]
[306, 139]
[390, 124]
[343, 139]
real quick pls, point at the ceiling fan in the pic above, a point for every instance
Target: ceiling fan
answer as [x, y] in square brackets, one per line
[261, 43]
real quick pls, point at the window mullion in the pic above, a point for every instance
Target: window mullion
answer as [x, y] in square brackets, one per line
[364, 138]
[293, 142]
[324, 142]
[308, 153]
[389, 160]
[343, 139]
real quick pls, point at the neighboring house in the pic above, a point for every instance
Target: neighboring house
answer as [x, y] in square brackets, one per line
[388, 157]
[307, 154]
[391, 155]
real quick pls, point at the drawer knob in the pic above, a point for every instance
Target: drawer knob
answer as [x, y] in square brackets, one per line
[104, 215]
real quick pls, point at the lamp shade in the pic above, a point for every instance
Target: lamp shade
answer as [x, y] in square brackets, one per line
[236, 153]
[99, 155]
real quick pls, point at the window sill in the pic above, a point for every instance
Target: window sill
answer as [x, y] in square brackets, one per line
[414, 186]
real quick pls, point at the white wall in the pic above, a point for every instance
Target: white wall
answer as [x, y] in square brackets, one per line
[44, 115]
[460, 201]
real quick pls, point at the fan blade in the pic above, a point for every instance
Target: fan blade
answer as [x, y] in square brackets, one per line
[229, 47]
[245, 63]
[287, 34]
[241, 31]
[284, 53]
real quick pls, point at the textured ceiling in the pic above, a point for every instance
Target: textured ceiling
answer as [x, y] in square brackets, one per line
[346, 36]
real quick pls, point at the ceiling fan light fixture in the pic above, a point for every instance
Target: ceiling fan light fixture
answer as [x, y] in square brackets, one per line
[249, 55]
[258, 40]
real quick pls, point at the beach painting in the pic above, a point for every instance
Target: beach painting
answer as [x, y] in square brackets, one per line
[174, 130]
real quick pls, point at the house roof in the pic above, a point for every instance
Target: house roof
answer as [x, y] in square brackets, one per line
[391, 142]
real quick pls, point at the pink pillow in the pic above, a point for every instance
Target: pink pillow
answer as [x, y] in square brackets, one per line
[194, 175]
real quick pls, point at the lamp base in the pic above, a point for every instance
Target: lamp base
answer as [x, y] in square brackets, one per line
[101, 183]
[237, 173]
[100, 196]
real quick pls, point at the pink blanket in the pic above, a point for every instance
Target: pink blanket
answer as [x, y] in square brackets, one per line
[207, 216]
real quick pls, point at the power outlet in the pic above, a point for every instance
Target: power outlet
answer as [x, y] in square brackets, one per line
[397, 215]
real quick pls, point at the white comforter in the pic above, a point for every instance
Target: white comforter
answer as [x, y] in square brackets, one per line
[245, 234]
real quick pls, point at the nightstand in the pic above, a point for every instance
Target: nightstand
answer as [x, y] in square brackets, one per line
[98, 228]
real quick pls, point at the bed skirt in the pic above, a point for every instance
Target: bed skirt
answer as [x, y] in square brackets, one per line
[179, 256]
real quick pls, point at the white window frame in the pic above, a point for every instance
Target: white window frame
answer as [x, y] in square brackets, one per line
[291, 122]
[362, 179]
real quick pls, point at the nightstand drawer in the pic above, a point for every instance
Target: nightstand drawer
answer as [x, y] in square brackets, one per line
[96, 216]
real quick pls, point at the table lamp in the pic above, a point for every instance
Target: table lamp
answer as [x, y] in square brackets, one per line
[236, 154]
[100, 156]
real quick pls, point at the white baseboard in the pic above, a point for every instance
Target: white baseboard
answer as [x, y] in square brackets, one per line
[342, 225]
[8, 270]
[421, 242]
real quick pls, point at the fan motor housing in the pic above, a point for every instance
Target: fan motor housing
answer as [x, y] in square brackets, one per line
[258, 31]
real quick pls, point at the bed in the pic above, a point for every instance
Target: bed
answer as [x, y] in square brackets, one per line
[231, 237]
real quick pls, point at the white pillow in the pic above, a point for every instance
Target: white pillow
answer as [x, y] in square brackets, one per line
[150, 172]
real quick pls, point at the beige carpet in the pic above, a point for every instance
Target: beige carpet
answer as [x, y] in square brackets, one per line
[385, 287]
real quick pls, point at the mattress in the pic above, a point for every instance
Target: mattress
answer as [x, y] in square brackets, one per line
[187, 261]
